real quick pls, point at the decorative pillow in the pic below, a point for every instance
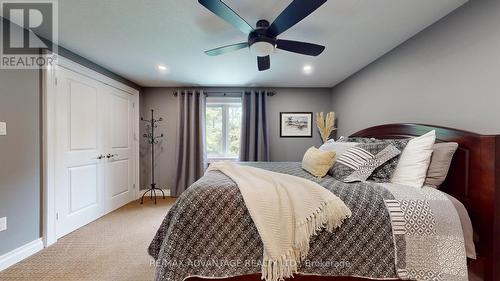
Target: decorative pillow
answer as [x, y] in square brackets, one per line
[442, 154]
[338, 147]
[357, 139]
[414, 162]
[358, 163]
[385, 171]
[318, 162]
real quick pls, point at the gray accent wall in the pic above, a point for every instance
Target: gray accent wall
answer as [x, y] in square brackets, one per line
[447, 75]
[164, 103]
[292, 100]
[282, 149]
[20, 158]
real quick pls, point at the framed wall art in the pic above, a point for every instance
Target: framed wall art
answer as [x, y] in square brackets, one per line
[296, 124]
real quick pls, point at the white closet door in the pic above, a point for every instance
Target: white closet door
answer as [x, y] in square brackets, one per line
[79, 175]
[94, 161]
[119, 167]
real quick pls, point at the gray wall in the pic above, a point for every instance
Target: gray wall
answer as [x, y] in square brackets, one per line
[20, 158]
[295, 99]
[164, 103]
[448, 75]
[282, 149]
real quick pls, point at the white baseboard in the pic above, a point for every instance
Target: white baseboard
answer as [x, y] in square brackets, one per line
[19, 254]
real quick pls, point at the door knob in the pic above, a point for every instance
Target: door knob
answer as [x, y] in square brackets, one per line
[111, 155]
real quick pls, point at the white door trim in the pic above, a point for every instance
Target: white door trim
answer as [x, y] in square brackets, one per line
[49, 81]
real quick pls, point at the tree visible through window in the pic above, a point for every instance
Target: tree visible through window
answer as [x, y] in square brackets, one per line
[223, 127]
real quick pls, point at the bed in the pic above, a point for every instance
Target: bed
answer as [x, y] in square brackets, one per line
[188, 233]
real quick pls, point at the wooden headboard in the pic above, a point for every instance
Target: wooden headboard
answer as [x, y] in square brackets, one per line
[471, 179]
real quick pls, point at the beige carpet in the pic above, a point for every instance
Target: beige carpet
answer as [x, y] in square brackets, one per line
[111, 248]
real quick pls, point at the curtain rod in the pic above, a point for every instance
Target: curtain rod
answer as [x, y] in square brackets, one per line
[269, 93]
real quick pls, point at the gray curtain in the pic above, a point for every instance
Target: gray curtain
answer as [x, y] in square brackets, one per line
[190, 146]
[255, 128]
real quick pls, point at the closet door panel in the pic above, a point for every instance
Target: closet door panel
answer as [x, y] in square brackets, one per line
[79, 140]
[83, 187]
[120, 164]
[120, 123]
[83, 115]
[119, 170]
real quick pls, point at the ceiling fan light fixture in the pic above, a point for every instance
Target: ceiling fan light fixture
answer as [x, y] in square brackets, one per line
[262, 48]
[262, 40]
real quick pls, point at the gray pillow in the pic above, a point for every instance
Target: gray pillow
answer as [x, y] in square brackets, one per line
[359, 162]
[385, 171]
[357, 139]
[442, 154]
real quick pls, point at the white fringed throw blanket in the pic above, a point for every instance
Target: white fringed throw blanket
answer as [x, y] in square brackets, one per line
[287, 210]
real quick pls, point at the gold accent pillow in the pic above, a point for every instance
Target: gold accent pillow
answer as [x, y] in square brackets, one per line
[318, 162]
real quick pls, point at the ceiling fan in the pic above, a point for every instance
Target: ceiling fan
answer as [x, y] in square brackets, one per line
[262, 40]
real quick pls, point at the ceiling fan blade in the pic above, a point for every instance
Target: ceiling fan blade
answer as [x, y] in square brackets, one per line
[223, 11]
[300, 47]
[295, 12]
[264, 63]
[226, 49]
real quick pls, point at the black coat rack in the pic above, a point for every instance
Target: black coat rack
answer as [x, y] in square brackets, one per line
[152, 140]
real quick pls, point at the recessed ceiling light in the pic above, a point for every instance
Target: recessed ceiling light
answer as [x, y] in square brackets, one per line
[307, 69]
[162, 67]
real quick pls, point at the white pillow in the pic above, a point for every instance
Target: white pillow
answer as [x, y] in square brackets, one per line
[338, 147]
[414, 161]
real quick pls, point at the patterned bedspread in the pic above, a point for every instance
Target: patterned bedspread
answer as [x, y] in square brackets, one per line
[394, 232]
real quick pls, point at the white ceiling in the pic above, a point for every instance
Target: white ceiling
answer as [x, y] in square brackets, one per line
[131, 37]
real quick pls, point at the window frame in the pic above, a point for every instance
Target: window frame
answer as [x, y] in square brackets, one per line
[226, 103]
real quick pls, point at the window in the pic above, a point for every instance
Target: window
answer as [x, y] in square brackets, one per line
[223, 128]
